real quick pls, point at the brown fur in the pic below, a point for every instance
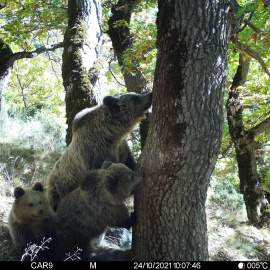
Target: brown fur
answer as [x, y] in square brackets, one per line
[96, 204]
[31, 217]
[98, 135]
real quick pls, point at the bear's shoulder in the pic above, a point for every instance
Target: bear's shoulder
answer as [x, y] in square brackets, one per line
[81, 117]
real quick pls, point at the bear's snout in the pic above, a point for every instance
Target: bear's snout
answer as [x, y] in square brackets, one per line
[146, 100]
[147, 97]
[38, 213]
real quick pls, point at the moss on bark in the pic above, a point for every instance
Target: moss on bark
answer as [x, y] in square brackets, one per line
[76, 79]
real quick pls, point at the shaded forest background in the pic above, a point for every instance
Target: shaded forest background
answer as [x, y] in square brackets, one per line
[33, 124]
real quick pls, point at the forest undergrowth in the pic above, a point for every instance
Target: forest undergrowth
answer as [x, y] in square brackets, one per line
[30, 145]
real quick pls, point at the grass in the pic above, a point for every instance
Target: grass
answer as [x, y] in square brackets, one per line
[29, 147]
[230, 236]
[238, 243]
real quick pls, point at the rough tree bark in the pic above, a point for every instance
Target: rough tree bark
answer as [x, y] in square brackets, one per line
[82, 42]
[5, 67]
[185, 131]
[7, 59]
[246, 146]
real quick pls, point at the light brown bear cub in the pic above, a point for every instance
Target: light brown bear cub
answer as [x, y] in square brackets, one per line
[98, 134]
[31, 217]
[96, 204]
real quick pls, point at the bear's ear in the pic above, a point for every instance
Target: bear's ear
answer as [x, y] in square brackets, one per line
[110, 101]
[18, 192]
[106, 164]
[38, 187]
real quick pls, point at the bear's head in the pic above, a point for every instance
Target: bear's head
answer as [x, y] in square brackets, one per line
[31, 204]
[119, 181]
[128, 108]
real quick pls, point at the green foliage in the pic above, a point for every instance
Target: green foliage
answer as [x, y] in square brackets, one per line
[24, 21]
[121, 24]
[142, 55]
[254, 97]
[225, 189]
[249, 6]
[32, 125]
[34, 86]
[265, 176]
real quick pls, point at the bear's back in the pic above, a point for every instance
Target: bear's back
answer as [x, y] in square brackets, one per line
[85, 117]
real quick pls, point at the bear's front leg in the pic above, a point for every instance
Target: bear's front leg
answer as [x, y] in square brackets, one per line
[123, 218]
[125, 155]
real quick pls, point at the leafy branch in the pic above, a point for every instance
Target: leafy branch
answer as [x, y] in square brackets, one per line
[254, 54]
[32, 54]
[250, 8]
[264, 126]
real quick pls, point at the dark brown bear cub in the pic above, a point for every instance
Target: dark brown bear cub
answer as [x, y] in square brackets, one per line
[96, 204]
[98, 135]
[31, 217]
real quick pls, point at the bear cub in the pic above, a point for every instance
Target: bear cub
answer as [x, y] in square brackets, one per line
[96, 204]
[31, 217]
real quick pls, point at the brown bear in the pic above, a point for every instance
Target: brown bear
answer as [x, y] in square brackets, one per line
[31, 217]
[96, 204]
[98, 135]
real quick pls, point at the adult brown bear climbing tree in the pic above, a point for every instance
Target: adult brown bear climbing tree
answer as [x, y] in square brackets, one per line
[98, 135]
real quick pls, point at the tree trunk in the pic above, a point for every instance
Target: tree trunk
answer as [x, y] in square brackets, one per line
[5, 67]
[185, 131]
[245, 147]
[82, 44]
[121, 41]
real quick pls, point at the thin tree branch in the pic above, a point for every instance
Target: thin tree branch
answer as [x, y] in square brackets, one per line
[22, 91]
[262, 116]
[251, 25]
[251, 52]
[110, 69]
[227, 149]
[32, 54]
[246, 21]
[264, 126]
